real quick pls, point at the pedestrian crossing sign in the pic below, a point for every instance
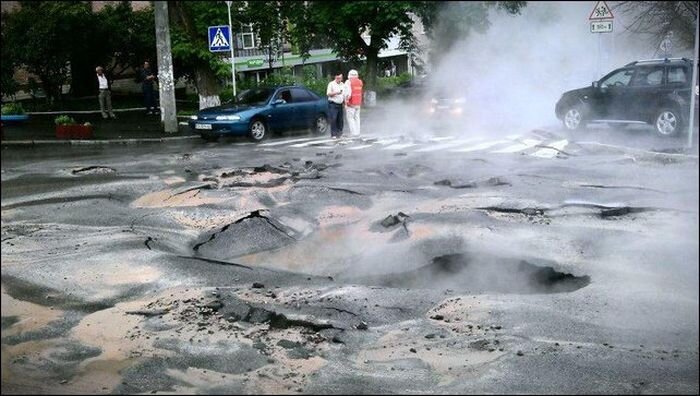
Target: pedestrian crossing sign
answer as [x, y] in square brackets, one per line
[219, 38]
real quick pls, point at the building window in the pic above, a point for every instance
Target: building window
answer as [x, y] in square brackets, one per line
[248, 37]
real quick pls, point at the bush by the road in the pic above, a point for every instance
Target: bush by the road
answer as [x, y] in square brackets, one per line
[12, 108]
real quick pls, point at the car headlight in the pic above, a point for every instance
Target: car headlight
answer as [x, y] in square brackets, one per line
[194, 117]
[228, 118]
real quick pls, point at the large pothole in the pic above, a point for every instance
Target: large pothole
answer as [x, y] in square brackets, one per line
[479, 273]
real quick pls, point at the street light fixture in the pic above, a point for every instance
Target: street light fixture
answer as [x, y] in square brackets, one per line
[230, 42]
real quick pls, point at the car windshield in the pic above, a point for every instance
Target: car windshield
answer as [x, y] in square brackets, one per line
[255, 96]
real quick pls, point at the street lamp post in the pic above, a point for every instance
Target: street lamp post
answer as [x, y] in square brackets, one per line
[230, 42]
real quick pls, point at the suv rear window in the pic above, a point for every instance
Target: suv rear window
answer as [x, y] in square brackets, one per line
[677, 74]
[648, 76]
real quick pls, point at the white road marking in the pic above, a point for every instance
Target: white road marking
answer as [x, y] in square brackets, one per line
[480, 146]
[280, 142]
[360, 147]
[386, 141]
[526, 144]
[306, 144]
[551, 153]
[399, 146]
[439, 139]
[444, 146]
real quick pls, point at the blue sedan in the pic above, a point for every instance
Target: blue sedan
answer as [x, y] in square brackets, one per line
[258, 112]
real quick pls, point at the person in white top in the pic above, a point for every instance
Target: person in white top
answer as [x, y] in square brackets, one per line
[353, 102]
[336, 98]
[105, 95]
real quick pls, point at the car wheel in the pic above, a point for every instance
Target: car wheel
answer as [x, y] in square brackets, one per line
[257, 130]
[320, 126]
[573, 118]
[667, 122]
[209, 138]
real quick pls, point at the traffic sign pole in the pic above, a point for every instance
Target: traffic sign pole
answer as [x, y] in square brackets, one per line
[230, 42]
[693, 97]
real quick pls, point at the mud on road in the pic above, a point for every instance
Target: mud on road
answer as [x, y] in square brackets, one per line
[212, 268]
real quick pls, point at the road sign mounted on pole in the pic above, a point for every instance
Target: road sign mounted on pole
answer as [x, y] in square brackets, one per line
[219, 39]
[601, 26]
[601, 11]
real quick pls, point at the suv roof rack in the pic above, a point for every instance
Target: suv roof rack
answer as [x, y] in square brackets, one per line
[657, 60]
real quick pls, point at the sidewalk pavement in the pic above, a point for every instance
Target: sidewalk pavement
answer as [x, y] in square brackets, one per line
[130, 126]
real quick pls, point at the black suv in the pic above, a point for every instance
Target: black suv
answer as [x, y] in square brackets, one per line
[654, 91]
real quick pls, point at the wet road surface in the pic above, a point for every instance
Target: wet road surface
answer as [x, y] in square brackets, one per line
[540, 262]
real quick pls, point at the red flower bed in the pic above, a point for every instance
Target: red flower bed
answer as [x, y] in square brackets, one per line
[75, 131]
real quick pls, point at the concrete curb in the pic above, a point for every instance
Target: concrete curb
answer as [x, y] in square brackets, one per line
[94, 142]
[90, 112]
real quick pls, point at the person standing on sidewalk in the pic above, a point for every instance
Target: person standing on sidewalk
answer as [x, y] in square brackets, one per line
[105, 93]
[147, 78]
[353, 102]
[336, 98]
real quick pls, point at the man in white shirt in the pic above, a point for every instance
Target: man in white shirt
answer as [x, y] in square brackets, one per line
[336, 98]
[105, 94]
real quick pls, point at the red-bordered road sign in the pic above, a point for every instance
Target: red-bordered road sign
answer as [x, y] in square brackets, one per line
[601, 11]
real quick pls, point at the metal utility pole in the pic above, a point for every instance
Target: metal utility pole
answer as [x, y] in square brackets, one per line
[692, 87]
[166, 79]
[230, 42]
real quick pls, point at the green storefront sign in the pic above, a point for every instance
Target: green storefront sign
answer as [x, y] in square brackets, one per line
[255, 62]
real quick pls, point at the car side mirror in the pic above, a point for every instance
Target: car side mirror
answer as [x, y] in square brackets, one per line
[594, 84]
[278, 102]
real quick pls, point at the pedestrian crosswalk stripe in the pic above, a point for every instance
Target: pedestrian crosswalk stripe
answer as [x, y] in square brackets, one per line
[439, 139]
[526, 144]
[360, 147]
[306, 144]
[551, 152]
[443, 146]
[280, 142]
[480, 146]
[400, 146]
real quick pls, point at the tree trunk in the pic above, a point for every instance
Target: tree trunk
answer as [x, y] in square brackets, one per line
[206, 81]
[371, 77]
[205, 86]
[83, 81]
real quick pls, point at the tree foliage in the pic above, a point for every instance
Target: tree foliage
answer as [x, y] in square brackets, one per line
[447, 22]
[43, 36]
[659, 18]
[125, 38]
[63, 41]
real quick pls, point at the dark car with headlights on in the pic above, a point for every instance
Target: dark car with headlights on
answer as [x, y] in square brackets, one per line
[655, 92]
[258, 112]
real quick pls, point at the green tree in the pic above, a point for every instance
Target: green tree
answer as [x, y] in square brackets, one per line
[346, 22]
[43, 36]
[8, 86]
[124, 38]
[448, 22]
[191, 57]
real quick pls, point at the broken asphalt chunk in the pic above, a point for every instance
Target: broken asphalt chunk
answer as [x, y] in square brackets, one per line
[362, 326]
[393, 220]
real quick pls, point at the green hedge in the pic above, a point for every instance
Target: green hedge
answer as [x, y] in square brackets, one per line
[12, 108]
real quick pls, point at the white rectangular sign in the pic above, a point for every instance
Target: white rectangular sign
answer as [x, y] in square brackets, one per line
[601, 27]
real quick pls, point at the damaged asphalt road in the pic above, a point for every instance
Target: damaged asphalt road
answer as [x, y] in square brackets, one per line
[233, 268]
